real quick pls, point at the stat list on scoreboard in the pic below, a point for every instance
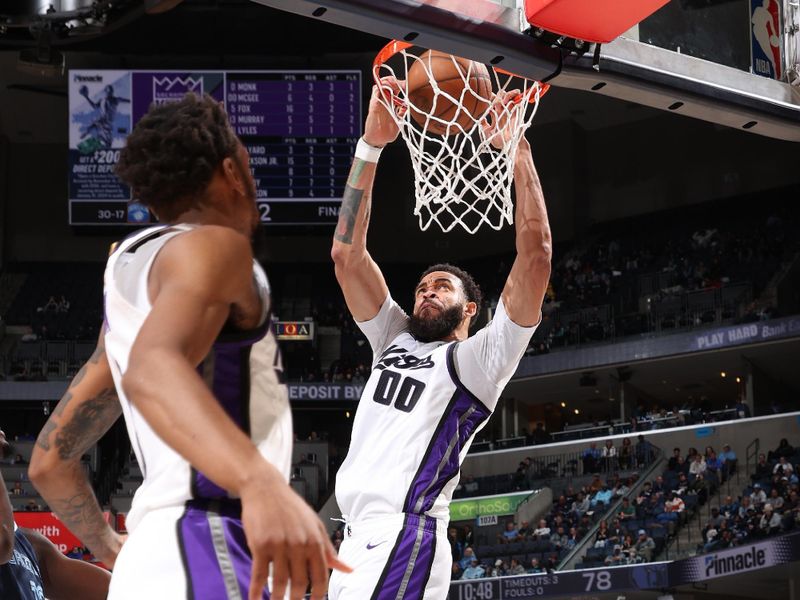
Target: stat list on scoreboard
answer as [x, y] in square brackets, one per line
[300, 130]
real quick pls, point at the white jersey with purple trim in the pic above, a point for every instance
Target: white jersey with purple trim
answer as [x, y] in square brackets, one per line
[419, 412]
[243, 370]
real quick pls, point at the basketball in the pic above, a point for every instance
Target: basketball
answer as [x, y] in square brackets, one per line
[450, 74]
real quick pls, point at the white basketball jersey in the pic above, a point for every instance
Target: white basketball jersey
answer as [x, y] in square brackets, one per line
[243, 370]
[419, 412]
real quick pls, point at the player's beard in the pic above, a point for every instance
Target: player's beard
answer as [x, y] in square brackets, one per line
[432, 329]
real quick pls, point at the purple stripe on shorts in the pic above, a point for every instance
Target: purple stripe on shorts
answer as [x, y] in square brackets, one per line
[409, 564]
[200, 551]
[204, 577]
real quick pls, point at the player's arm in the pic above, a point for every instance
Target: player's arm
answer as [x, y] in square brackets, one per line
[6, 525]
[83, 415]
[194, 281]
[526, 285]
[66, 578]
[360, 278]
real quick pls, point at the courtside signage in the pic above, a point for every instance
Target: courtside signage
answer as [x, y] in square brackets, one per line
[297, 331]
[495, 506]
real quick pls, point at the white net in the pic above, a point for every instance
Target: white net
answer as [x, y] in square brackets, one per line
[462, 136]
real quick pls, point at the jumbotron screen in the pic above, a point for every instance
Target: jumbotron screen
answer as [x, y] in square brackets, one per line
[300, 128]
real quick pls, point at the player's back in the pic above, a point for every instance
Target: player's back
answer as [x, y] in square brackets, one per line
[243, 370]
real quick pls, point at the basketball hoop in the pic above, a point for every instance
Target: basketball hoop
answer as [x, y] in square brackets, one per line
[463, 162]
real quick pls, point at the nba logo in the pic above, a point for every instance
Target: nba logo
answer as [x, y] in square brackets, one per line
[138, 213]
[766, 37]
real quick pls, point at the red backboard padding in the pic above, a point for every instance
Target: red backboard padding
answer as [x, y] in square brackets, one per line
[597, 21]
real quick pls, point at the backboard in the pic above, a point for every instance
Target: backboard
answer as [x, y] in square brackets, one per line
[731, 62]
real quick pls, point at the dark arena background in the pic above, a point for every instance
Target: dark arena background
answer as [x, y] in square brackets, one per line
[671, 170]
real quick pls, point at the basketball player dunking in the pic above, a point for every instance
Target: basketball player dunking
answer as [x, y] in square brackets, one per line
[431, 389]
[188, 349]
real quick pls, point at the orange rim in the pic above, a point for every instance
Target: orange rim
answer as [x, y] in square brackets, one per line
[396, 46]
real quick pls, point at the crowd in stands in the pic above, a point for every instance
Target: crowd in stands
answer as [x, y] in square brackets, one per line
[768, 506]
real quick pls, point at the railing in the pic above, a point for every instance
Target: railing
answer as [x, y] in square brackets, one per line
[579, 550]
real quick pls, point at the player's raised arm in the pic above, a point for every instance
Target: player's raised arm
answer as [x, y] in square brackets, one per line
[86, 411]
[360, 278]
[526, 285]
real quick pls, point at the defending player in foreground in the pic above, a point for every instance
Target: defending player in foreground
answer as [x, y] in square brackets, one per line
[32, 568]
[432, 386]
[187, 346]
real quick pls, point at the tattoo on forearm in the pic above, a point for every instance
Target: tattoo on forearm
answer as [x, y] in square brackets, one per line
[88, 424]
[355, 171]
[351, 203]
[82, 514]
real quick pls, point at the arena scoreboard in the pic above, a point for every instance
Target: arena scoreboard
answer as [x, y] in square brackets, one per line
[300, 128]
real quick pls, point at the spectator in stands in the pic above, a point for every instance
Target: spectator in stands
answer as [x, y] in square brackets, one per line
[745, 507]
[783, 449]
[473, 570]
[591, 458]
[783, 468]
[535, 567]
[470, 486]
[581, 505]
[626, 454]
[742, 410]
[602, 498]
[775, 499]
[559, 538]
[697, 468]
[627, 511]
[18, 460]
[616, 557]
[572, 538]
[728, 457]
[609, 455]
[758, 496]
[645, 545]
[516, 568]
[762, 470]
[509, 535]
[770, 522]
[17, 489]
[467, 557]
[673, 507]
[456, 573]
[644, 451]
[499, 570]
[540, 436]
[601, 538]
[542, 531]
[524, 530]
[672, 464]
[730, 508]
[456, 547]
[596, 484]
[468, 536]
[715, 465]
[659, 487]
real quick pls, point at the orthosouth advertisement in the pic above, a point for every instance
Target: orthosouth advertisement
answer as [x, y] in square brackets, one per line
[653, 576]
[495, 506]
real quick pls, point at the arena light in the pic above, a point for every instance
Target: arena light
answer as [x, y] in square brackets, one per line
[577, 412]
[723, 374]
[563, 405]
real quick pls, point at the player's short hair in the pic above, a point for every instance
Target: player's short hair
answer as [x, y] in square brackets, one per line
[173, 151]
[471, 289]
